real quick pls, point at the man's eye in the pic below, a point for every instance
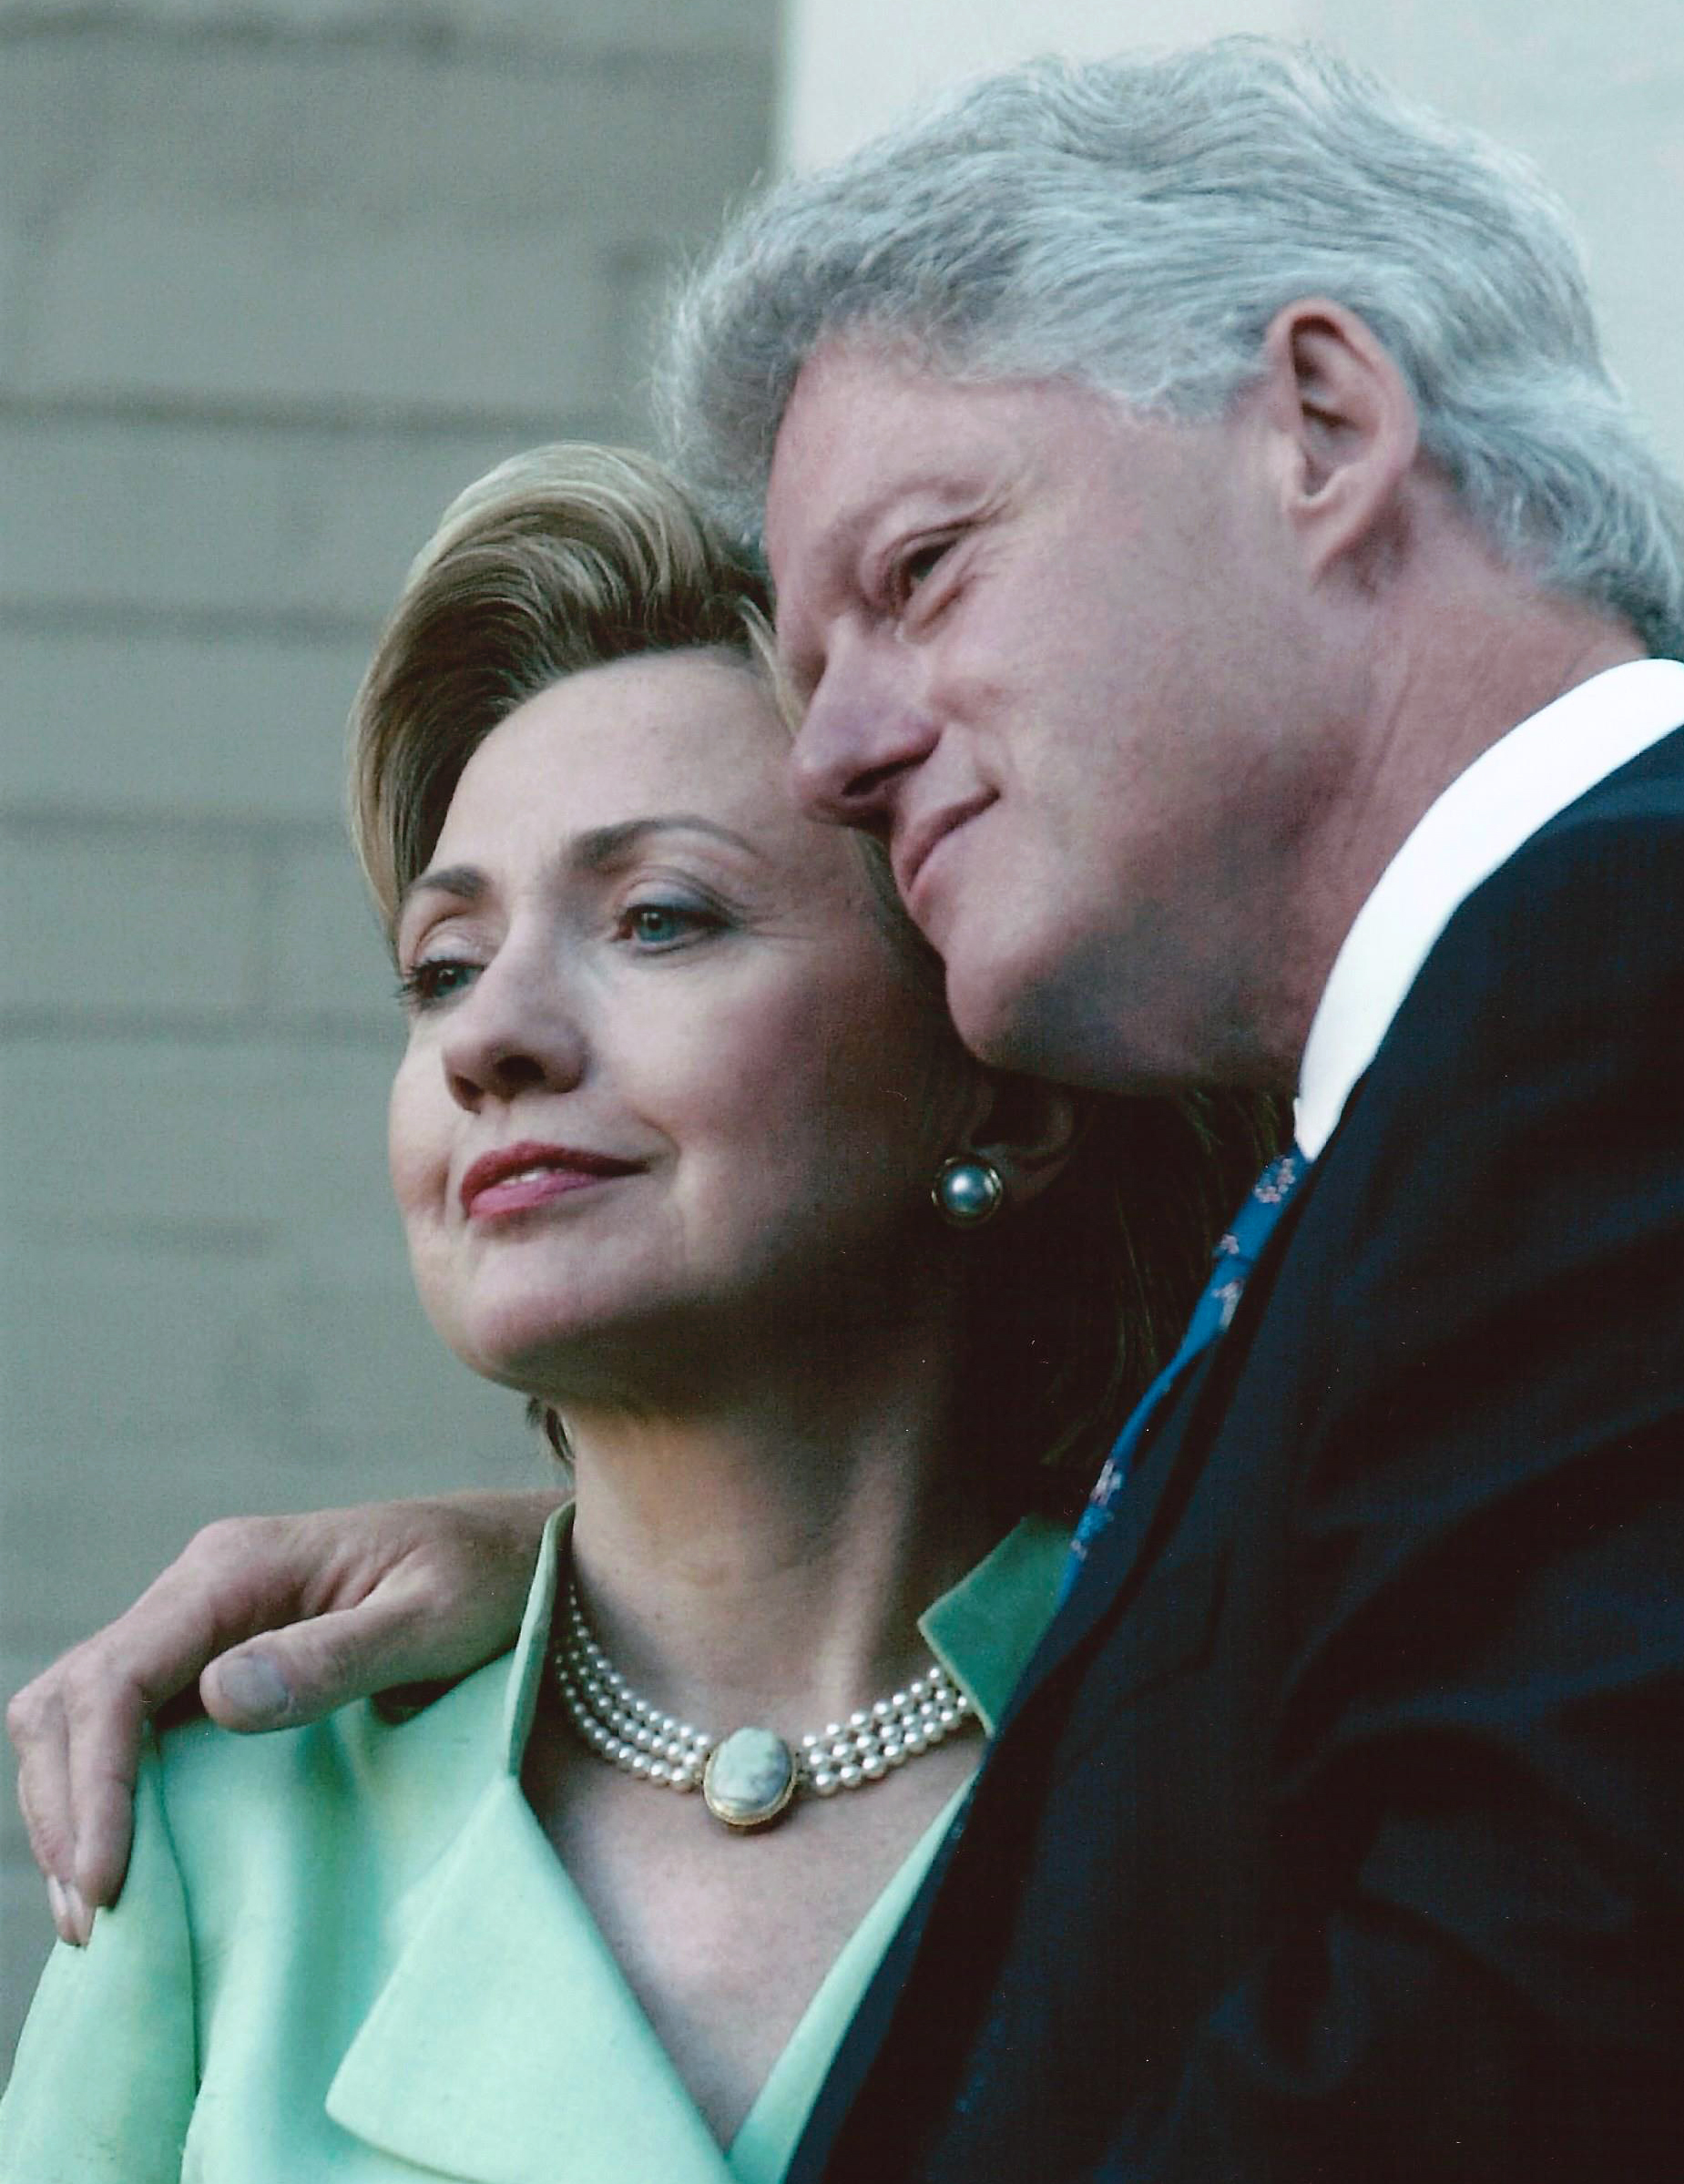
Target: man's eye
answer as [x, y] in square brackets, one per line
[912, 568]
[441, 979]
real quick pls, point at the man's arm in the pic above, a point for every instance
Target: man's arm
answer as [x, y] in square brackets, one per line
[281, 1619]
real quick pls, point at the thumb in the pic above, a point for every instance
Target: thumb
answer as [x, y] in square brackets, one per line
[304, 1670]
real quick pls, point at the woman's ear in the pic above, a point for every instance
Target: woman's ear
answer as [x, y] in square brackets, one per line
[1027, 1129]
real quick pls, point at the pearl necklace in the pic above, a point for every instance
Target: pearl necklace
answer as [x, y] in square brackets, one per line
[748, 1778]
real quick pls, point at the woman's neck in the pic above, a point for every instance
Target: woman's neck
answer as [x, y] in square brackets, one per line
[766, 1557]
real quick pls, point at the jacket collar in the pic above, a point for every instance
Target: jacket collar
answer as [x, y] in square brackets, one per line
[566, 2075]
[985, 1629]
[1511, 791]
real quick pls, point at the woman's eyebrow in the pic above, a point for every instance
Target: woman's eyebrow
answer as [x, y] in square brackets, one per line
[601, 847]
[596, 850]
[466, 882]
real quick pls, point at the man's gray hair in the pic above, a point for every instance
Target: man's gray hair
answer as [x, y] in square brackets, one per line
[1135, 224]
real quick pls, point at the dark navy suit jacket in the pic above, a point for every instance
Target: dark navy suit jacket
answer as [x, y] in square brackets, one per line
[1337, 1831]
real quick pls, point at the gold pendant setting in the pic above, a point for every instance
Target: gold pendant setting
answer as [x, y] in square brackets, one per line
[749, 1778]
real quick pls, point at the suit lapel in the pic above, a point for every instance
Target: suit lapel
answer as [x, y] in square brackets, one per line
[1118, 1558]
[1118, 1566]
[1118, 1553]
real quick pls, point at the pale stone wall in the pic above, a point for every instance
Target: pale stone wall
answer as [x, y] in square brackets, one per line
[275, 280]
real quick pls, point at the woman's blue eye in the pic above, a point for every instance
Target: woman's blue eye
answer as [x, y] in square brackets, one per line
[429, 984]
[657, 925]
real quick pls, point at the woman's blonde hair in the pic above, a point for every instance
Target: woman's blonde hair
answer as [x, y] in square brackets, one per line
[564, 558]
[571, 557]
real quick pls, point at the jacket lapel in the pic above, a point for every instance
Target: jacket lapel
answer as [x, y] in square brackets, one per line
[1117, 1552]
[1117, 1555]
[505, 2047]
[1116, 1566]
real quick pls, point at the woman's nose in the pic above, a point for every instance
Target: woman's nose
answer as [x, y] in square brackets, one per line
[513, 1032]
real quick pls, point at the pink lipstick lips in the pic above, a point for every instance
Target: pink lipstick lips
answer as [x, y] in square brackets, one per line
[517, 1176]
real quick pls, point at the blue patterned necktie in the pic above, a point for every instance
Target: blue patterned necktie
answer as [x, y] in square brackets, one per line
[1236, 1255]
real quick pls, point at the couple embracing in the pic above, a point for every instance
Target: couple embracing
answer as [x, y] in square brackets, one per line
[1226, 615]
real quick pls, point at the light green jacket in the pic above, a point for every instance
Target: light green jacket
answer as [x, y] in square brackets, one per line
[348, 1951]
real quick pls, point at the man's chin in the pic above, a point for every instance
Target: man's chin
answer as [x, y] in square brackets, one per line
[1032, 1023]
[1000, 1013]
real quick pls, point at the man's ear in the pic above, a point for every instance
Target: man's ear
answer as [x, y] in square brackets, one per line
[1027, 1129]
[1343, 428]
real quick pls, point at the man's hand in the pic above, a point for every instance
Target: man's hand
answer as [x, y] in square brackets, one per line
[281, 1619]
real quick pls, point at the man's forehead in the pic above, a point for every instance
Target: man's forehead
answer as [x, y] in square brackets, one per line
[862, 428]
[830, 448]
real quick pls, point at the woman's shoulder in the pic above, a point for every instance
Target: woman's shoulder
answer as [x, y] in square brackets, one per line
[363, 1781]
[374, 1790]
[266, 1900]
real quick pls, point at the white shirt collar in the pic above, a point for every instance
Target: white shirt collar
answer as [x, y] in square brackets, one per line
[1509, 792]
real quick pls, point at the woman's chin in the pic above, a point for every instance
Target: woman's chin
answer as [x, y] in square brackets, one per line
[518, 1350]
[557, 1359]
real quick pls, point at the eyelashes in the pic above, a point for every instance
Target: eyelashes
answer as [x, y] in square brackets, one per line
[922, 579]
[656, 928]
[653, 927]
[431, 984]
[916, 565]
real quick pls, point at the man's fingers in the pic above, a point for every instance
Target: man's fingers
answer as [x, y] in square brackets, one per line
[36, 1724]
[431, 1589]
[441, 1601]
[102, 1798]
[77, 1726]
[246, 1690]
[78, 1731]
[103, 1714]
[302, 1672]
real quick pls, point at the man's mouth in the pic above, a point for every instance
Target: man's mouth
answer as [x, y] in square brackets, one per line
[914, 851]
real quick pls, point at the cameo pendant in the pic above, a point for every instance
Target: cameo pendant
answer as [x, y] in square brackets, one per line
[748, 1780]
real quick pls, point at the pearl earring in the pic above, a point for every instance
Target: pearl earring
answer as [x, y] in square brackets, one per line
[968, 1191]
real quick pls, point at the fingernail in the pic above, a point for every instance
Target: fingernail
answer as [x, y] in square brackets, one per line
[80, 1917]
[250, 1685]
[59, 1907]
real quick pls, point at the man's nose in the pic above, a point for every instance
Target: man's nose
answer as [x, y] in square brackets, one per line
[864, 732]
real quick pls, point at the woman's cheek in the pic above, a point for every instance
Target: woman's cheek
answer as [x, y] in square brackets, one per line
[413, 1159]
